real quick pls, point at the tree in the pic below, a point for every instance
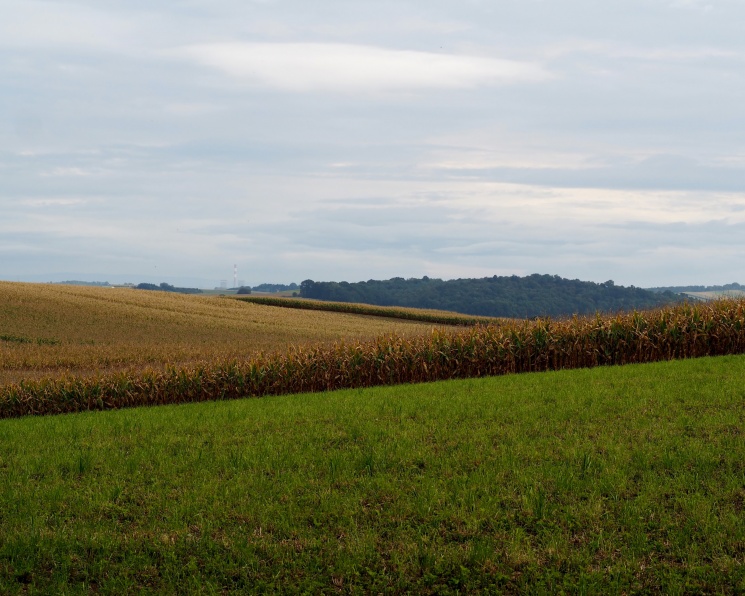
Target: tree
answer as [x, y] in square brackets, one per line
[307, 288]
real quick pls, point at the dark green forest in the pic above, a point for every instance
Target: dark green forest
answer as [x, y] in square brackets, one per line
[518, 297]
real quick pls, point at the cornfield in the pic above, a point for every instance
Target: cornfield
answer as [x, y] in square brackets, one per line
[684, 331]
[438, 317]
[49, 330]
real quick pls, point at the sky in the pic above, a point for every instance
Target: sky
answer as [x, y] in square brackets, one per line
[166, 140]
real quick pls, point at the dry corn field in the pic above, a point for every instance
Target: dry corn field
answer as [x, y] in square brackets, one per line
[438, 317]
[684, 331]
[51, 330]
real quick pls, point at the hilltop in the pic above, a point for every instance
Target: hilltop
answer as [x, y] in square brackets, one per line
[517, 297]
[687, 289]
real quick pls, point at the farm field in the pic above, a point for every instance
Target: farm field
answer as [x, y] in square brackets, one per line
[438, 317]
[716, 295]
[605, 480]
[510, 346]
[52, 330]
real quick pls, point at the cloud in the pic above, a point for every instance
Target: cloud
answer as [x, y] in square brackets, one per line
[41, 25]
[657, 172]
[334, 67]
[588, 140]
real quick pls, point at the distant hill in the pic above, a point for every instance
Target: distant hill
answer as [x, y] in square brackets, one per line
[518, 297]
[682, 289]
[274, 288]
[77, 282]
[164, 287]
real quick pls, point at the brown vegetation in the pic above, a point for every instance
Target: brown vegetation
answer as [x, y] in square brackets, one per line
[437, 317]
[52, 330]
[684, 331]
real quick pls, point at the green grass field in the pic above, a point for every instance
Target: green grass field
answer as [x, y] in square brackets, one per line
[608, 480]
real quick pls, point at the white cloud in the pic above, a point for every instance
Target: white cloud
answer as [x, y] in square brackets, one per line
[352, 68]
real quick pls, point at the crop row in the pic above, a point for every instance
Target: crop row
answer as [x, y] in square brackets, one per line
[413, 314]
[684, 331]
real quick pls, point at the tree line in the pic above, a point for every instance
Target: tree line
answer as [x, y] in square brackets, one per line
[681, 289]
[164, 287]
[517, 297]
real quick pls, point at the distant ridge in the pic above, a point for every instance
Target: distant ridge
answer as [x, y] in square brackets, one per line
[274, 288]
[164, 287]
[681, 289]
[517, 297]
[77, 282]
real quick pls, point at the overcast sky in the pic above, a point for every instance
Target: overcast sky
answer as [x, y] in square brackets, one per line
[166, 140]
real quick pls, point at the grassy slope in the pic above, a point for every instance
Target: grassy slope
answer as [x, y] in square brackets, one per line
[86, 330]
[606, 480]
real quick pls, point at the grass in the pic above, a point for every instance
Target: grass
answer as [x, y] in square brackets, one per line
[607, 480]
[54, 330]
